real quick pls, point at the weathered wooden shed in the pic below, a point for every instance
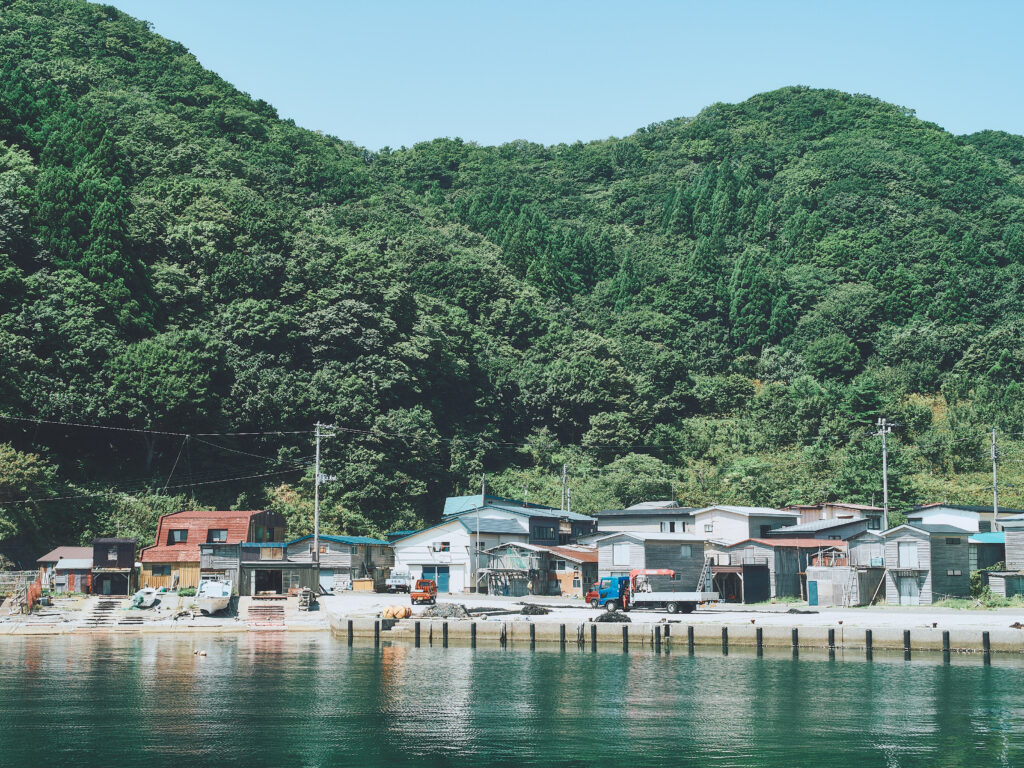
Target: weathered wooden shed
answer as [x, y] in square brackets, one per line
[619, 553]
[66, 569]
[924, 563]
[344, 558]
[265, 569]
[1006, 583]
[113, 566]
[786, 559]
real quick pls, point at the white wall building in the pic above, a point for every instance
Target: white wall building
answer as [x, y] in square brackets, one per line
[445, 552]
[731, 524]
[647, 517]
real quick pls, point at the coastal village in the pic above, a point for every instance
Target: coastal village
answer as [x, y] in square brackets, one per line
[503, 553]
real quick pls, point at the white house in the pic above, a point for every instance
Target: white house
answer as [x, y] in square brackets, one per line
[969, 518]
[447, 552]
[647, 517]
[728, 524]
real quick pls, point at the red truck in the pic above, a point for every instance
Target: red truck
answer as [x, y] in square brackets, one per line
[425, 591]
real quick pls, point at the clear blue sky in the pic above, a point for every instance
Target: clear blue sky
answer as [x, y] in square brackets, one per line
[393, 73]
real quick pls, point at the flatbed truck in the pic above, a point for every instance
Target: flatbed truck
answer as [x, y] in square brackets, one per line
[636, 591]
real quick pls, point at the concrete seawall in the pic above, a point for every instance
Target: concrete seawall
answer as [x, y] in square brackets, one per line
[639, 636]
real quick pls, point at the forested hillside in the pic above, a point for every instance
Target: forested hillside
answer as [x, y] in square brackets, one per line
[713, 308]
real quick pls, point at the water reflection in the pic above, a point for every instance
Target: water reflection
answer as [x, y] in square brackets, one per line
[289, 699]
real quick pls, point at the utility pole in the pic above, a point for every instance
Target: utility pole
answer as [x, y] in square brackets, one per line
[562, 505]
[568, 499]
[884, 428]
[317, 479]
[476, 548]
[995, 483]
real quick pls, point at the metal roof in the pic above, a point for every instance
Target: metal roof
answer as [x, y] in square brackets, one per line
[816, 525]
[74, 564]
[653, 505]
[965, 508]
[653, 536]
[637, 511]
[797, 543]
[989, 537]
[749, 511]
[458, 505]
[925, 528]
[66, 552]
[343, 539]
[492, 525]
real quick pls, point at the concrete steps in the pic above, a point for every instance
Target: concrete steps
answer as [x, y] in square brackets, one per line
[265, 616]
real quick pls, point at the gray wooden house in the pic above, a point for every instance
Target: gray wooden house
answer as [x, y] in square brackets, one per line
[619, 553]
[344, 558]
[220, 562]
[924, 563]
[786, 558]
[1013, 529]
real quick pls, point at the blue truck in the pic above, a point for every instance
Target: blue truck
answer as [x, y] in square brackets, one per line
[636, 591]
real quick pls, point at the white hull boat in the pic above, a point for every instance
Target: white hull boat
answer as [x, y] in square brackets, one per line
[144, 598]
[213, 596]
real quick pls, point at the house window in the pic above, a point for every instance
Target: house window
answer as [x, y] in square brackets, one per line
[544, 532]
[216, 536]
[833, 537]
[559, 565]
[576, 583]
[323, 549]
[620, 554]
[481, 545]
[354, 550]
[441, 546]
[177, 536]
[764, 531]
[954, 573]
[290, 579]
[874, 523]
[686, 551]
[709, 527]
[907, 554]
[952, 541]
[161, 570]
[668, 526]
[271, 553]
[112, 554]
[984, 526]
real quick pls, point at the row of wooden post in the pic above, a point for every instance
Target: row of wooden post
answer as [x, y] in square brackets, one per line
[986, 643]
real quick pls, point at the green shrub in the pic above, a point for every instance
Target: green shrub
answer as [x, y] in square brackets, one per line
[187, 592]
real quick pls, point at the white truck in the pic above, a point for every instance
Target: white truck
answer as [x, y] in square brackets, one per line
[398, 581]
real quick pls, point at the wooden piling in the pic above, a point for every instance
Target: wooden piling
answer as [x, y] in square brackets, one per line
[906, 644]
[760, 641]
[350, 632]
[593, 638]
[417, 626]
[561, 636]
[472, 635]
[725, 641]
[867, 643]
[376, 633]
[689, 638]
[625, 638]
[444, 634]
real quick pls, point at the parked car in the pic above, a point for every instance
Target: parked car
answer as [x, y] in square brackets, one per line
[425, 591]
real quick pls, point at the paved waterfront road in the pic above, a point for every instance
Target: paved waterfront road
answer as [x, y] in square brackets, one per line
[279, 699]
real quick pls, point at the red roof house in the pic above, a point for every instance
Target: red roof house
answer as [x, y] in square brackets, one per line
[178, 536]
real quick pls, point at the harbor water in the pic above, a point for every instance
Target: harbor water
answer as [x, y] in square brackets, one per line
[277, 699]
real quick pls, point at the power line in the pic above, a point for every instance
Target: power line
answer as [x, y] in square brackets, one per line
[130, 491]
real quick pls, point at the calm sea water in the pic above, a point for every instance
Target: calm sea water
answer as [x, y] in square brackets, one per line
[290, 700]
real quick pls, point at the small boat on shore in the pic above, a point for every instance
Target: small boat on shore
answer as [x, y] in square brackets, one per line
[144, 598]
[213, 596]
